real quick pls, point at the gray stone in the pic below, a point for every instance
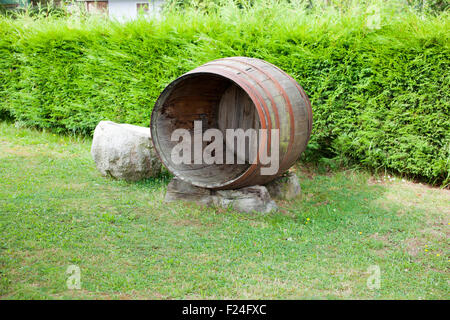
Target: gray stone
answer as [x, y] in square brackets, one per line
[253, 198]
[249, 199]
[179, 190]
[285, 187]
[124, 151]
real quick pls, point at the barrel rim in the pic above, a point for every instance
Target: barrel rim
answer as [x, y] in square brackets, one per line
[153, 130]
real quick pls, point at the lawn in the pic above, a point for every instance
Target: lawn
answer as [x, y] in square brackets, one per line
[56, 211]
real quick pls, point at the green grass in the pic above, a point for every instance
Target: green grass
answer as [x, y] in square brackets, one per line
[56, 210]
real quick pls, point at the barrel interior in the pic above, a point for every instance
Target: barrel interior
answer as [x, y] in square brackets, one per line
[218, 103]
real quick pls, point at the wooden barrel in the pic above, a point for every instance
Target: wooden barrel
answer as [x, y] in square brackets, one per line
[232, 93]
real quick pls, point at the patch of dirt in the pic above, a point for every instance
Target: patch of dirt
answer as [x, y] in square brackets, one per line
[258, 224]
[387, 244]
[21, 152]
[133, 295]
[436, 231]
[70, 186]
[323, 203]
[431, 201]
[344, 291]
[380, 237]
[304, 171]
[414, 246]
[374, 181]
[30, 152]
[186, 223]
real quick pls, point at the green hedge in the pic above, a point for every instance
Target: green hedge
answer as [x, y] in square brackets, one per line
[380, 96]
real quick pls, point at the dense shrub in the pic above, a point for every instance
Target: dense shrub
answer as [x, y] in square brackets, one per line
[380, 96]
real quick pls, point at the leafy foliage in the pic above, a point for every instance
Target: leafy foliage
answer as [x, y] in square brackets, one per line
[380, 94]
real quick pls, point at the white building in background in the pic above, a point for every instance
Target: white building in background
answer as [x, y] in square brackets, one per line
[125, 10]
[130, 9]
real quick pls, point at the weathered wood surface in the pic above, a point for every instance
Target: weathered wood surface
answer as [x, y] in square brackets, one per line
[235, 92]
